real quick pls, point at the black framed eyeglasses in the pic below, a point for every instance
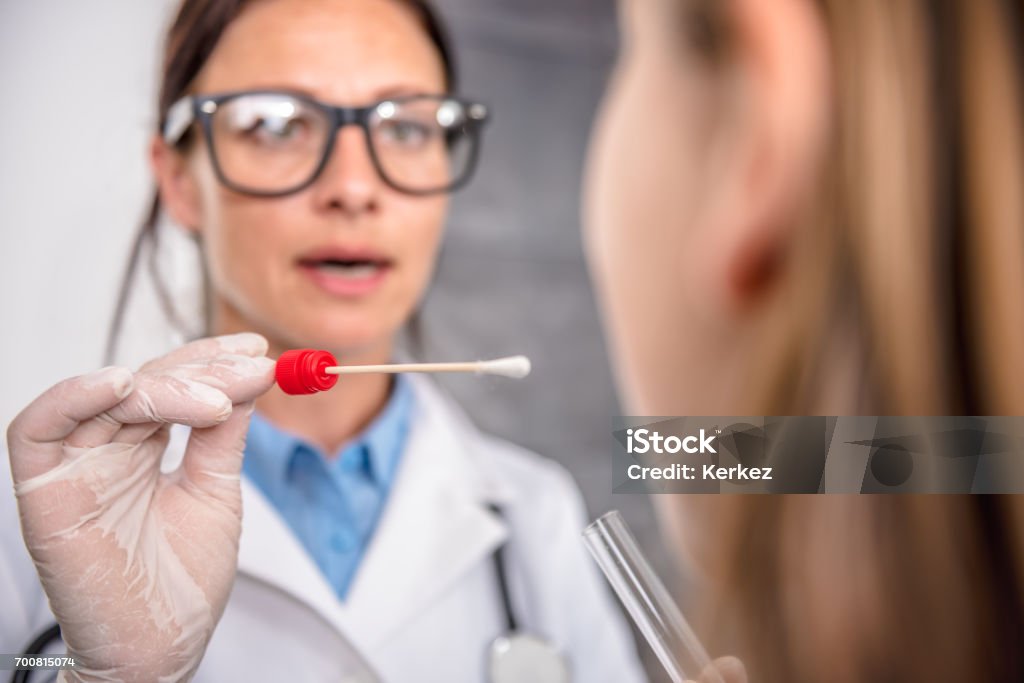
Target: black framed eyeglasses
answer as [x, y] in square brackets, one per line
[271, 143]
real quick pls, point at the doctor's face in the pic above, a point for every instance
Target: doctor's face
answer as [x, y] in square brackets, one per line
[342, 263]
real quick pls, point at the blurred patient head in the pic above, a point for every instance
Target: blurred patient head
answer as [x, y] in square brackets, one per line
[812, 207]
[815, 207]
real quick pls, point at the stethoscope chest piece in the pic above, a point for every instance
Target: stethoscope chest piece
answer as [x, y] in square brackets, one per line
[523, 658]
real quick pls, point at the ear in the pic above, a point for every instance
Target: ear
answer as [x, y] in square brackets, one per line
[178, 192]
[780, 56]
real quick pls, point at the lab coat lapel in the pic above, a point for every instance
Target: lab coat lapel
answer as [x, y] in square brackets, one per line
[435, 527]
[270, 552]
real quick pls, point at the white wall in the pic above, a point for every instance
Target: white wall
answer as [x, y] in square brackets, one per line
[76, 103]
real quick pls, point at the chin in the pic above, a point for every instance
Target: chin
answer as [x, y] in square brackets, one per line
[347, 335]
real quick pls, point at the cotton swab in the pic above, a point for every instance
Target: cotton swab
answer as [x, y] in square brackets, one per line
[307, 371]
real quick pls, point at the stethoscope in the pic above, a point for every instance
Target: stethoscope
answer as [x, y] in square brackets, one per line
[516, 656]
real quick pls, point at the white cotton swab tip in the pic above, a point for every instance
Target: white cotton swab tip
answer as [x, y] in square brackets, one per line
[515, 367]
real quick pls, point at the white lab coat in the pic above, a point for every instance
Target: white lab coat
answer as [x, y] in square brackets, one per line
[425, 604]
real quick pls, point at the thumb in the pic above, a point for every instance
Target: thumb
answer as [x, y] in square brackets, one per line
[213, 458]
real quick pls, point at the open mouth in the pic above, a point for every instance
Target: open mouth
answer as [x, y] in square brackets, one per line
[346, 272]
[353, 268]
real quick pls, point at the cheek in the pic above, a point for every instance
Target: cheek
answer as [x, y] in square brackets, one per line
[234, 232]
[417, 234]
[249, 252]
[643, 240]
[248, 246]
[642, 175]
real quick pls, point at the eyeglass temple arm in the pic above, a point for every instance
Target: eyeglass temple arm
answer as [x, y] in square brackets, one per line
[180, 116]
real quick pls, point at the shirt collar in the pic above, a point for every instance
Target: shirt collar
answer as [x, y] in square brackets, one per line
[384, 439]
[271, 449]
[268, 450]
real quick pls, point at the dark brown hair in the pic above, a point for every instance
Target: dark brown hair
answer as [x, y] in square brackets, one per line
[191, 39]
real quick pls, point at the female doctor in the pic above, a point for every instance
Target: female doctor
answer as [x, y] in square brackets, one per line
[308, 146]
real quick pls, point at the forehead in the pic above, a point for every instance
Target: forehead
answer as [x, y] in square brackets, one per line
[345, 51]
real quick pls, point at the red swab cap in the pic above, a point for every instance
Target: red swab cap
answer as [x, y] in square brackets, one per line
[301, 371]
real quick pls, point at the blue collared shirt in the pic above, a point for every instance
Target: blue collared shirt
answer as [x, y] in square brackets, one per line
[332, 505]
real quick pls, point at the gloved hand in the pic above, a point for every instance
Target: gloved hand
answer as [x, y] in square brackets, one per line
[138, 565]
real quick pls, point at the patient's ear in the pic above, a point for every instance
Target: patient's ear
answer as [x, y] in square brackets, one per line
[176, 183]
[779, 65]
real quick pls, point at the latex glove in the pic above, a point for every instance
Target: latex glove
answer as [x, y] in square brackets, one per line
[138, 565]
[724, 670]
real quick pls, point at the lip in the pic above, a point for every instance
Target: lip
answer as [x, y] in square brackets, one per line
[337, 283]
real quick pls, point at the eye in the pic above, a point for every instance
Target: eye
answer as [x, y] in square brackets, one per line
[276, 129]
[267, 120]
[405, 132]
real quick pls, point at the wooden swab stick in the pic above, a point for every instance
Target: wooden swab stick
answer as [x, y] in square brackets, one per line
[514, 366]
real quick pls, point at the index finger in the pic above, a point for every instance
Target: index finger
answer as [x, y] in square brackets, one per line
[242, 344]
[34, 436]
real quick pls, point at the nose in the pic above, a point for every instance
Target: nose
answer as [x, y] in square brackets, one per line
[349, 182]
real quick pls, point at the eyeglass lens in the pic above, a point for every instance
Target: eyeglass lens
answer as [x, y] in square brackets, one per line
[269, 142]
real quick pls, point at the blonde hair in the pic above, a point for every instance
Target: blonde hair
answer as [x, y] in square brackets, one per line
[915, 242]
[867, 589]
[916, 238]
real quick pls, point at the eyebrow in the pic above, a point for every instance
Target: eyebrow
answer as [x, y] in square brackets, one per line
[403, 90]
[391, 91]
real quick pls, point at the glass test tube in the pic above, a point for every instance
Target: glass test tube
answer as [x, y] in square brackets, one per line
[647, 600]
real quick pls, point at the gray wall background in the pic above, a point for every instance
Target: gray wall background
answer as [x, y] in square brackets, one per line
[78, 83]
[512, 278]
